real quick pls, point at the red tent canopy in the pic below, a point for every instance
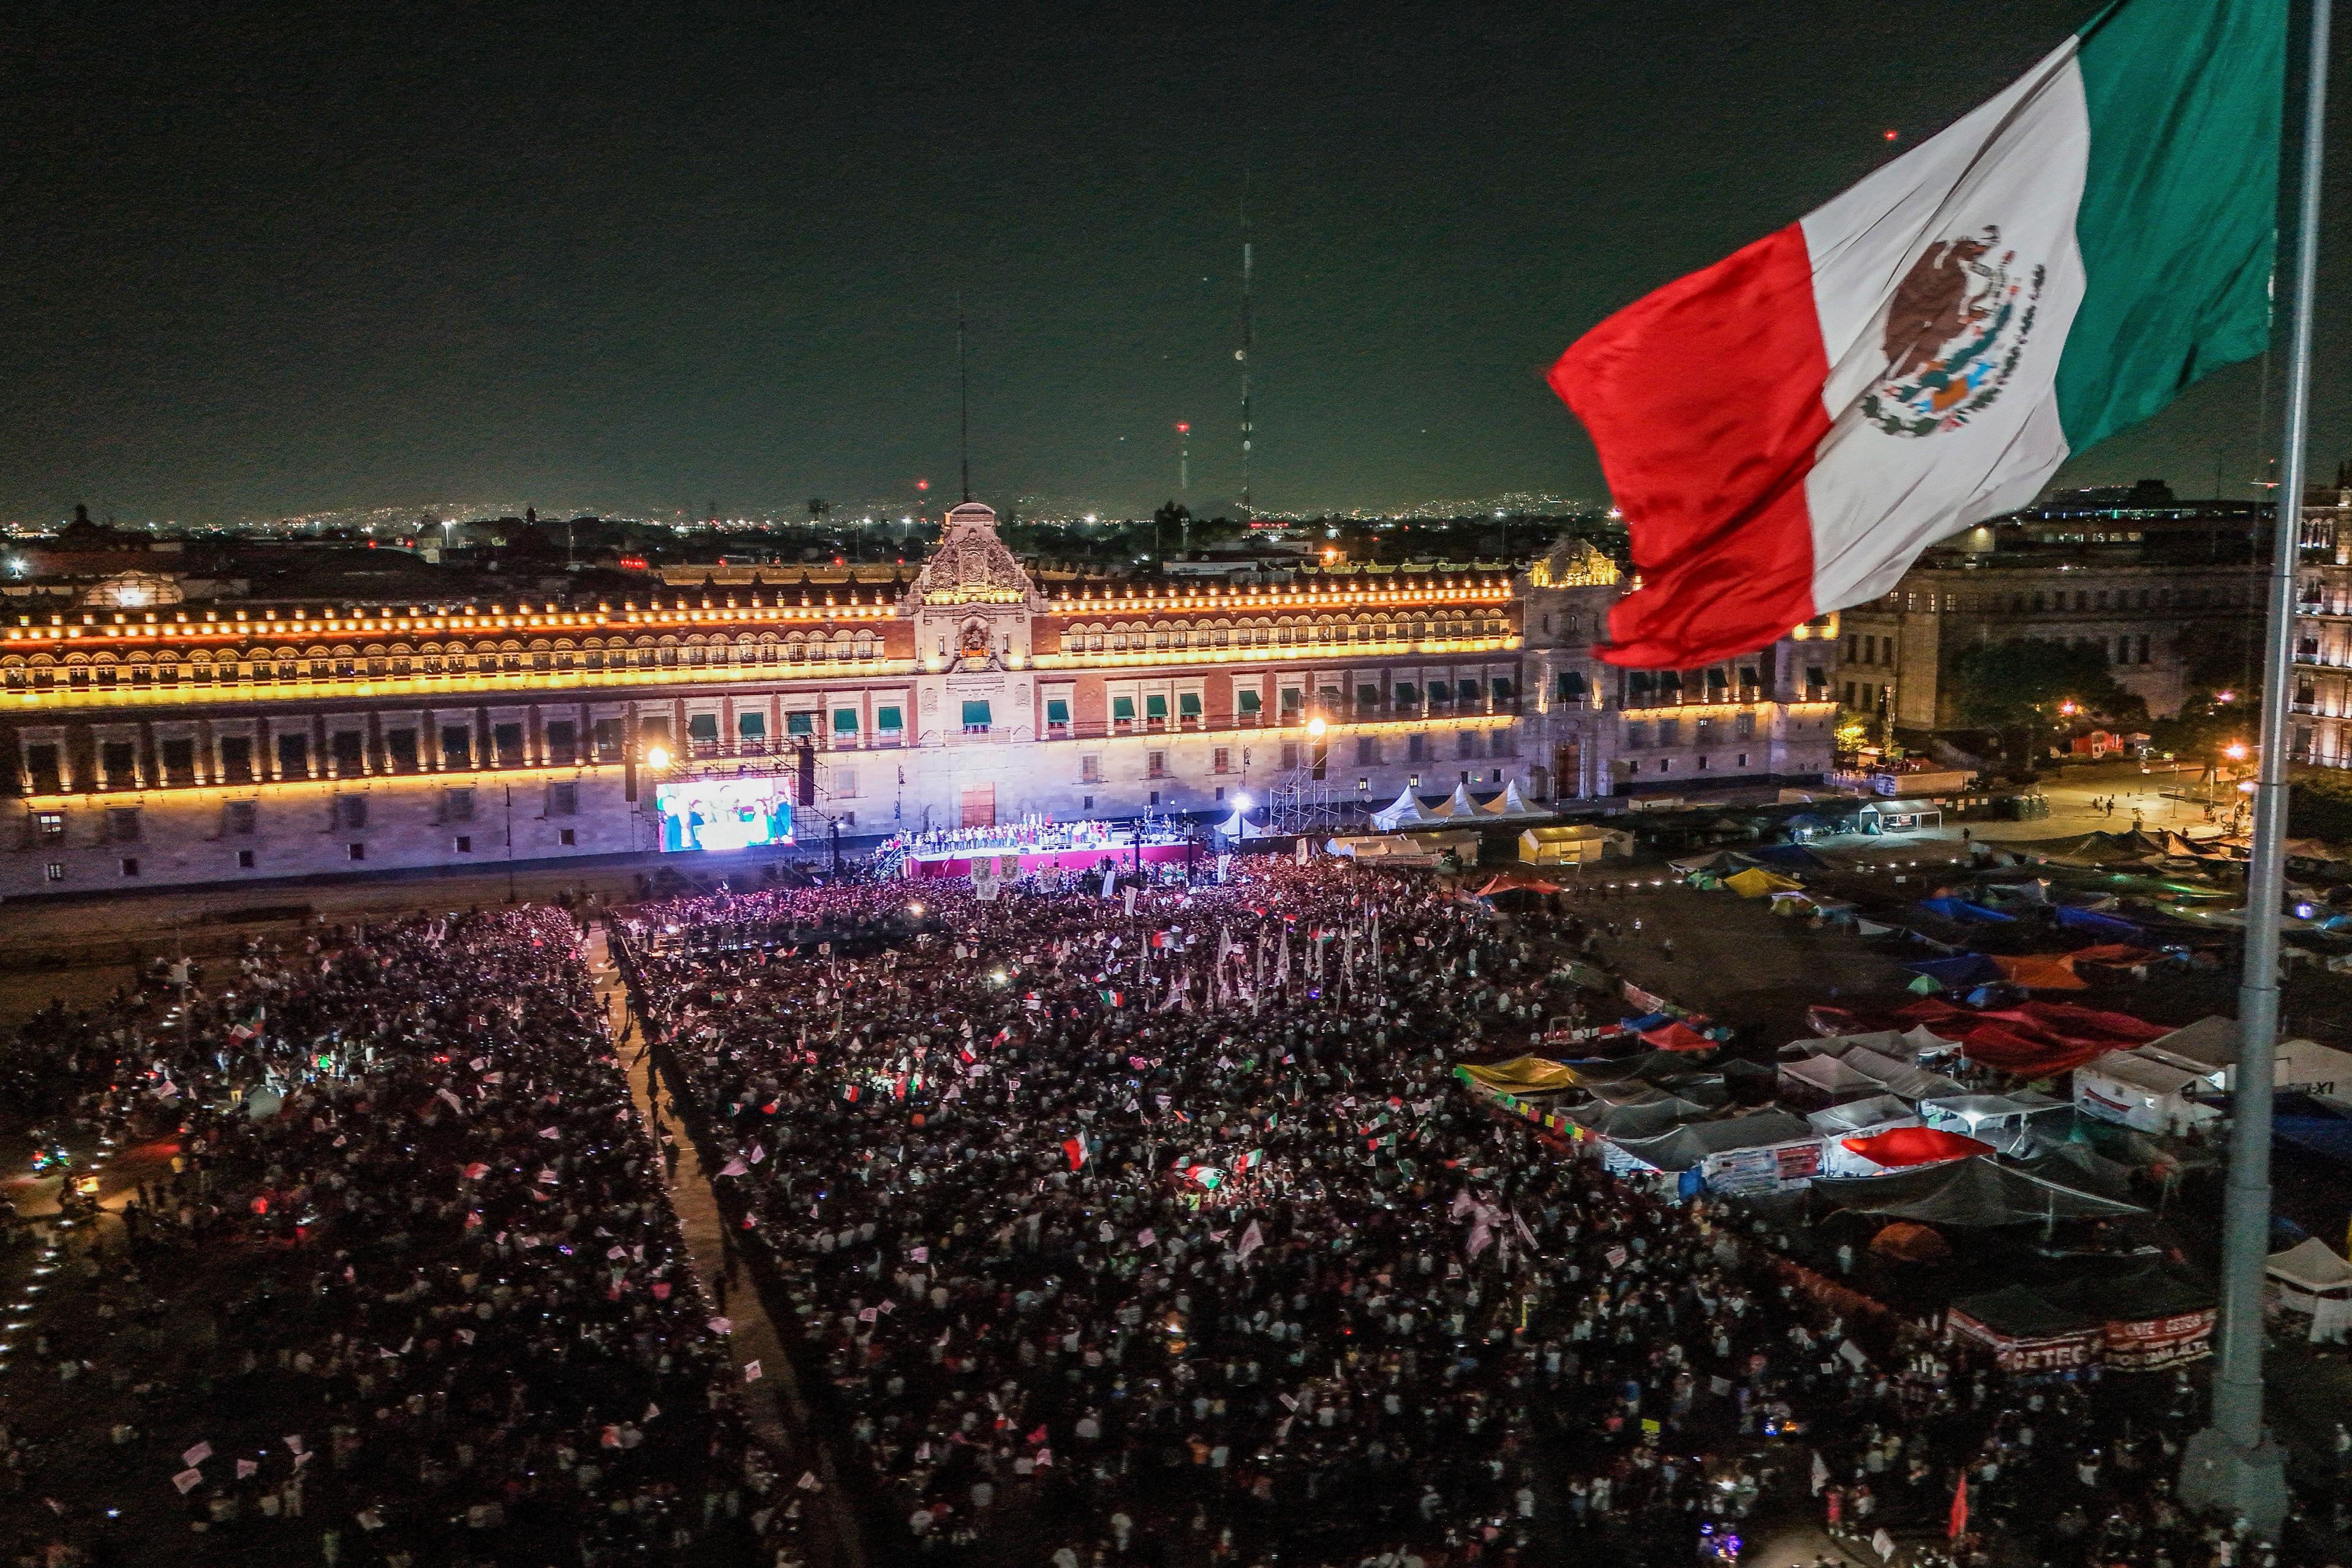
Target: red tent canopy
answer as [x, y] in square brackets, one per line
[1678, 1036]
[2041, 971]
[2028, 1056]
[1915, 1146]
[1517, 881]
[2118, 953]
[2067, 1018]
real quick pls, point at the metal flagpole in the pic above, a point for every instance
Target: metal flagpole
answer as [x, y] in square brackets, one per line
[2233, 1464]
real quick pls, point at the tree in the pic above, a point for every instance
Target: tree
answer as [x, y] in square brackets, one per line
[2019, 688]
[1171, 514]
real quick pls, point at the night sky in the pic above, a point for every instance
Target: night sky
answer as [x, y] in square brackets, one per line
[644, 259]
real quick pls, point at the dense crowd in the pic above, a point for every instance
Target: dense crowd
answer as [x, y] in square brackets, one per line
[402, 1286]
[1156, 1231]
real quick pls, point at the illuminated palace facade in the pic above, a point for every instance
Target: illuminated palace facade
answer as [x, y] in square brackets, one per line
[159, 743]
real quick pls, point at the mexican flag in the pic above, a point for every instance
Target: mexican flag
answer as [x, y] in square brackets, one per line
[1787, 430]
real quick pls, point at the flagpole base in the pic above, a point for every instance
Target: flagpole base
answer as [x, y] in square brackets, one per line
[2246, 1483]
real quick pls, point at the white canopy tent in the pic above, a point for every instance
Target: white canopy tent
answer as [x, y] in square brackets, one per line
[2141, 1092]
[1510, 802]
[2313, 1279]
[1404, 811]
[2003, 1120]
[1458, 806]
[1858, 1119]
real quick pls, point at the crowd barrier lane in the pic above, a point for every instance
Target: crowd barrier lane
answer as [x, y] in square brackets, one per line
[844, 1530]
[767, 1278]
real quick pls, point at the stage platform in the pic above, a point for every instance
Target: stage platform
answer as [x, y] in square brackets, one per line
[958, 863]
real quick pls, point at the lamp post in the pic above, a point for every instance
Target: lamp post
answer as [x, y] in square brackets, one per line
[2234, 1464]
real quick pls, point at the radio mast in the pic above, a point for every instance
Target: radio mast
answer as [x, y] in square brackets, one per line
[1249, 335]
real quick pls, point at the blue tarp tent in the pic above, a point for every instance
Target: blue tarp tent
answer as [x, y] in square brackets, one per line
[2329, 1137]
[1961, 909]
[2105, 927]
[1648, 1021]
[1958, 973]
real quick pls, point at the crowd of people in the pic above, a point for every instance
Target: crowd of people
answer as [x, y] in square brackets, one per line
[1033, 834]
[398, 1283]
[1147, 1226]
[1153, 1227]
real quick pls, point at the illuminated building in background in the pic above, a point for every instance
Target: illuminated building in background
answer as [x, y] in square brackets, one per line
[154, 740]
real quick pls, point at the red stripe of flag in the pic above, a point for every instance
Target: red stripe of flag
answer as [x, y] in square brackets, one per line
[1705, 401]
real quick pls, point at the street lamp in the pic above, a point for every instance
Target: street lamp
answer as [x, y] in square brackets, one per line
[658, 756]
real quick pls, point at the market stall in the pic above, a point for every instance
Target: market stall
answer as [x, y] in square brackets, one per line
[2314, 1280]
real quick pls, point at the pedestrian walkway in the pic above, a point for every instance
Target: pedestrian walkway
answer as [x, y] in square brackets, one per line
[782, 1420]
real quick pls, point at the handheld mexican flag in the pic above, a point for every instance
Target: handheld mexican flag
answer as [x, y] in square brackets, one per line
[1787, 430]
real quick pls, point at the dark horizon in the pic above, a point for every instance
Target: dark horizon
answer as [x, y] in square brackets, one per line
[277, 266]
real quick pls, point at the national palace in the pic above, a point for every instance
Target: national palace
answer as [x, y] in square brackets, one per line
[158, 736]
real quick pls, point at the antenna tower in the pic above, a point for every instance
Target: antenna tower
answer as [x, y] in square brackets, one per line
[1249, 344]
[963, 399]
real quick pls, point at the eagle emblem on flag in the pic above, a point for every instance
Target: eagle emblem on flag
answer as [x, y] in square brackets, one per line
[1955, 331]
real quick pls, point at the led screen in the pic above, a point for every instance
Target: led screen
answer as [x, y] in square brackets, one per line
[724, 813]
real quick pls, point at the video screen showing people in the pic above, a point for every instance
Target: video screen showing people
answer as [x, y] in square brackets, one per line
[724, 813]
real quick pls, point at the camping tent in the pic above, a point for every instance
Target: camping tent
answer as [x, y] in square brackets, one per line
[1768, 1150]
[1958, 972]
[2209, 1048]
[2001, 1119]
[1511, 803]
[1927, 1045]
[1902, 1147]
[2142, 1092]
[1572, 844]
[1387, 848]
[2025, 1332]
[1961, 909]
[2052, 972]
[2149, 1317]
[1645, 1119]
[1243, 824]
[1972, 1192]
[1517, 882]
[2074, 1164]
[1823, 1080]
[2107, 928]
[1404, 811]
[2314, 1280]
[1756, 882]
[2027, 1054]
[1856, 1119]
[1458, 806]
[1908, 1243]
[1715, 863]
[1706, 1089]
[1899, 1076]
[1521, 1075]
[1676, 1035]
[1861, 1118]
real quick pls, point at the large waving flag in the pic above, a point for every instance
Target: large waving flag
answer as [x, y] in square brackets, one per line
[1787, 430]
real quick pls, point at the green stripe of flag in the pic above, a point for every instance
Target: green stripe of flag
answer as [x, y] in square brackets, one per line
[2179, 204]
